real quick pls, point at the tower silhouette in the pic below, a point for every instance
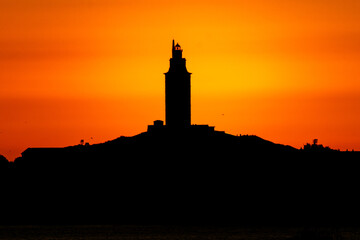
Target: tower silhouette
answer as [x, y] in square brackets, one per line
[177, 91]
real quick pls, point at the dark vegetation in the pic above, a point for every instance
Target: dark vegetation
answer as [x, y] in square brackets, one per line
[184, 177]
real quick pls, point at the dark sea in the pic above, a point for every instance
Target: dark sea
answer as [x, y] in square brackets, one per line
[130, 232]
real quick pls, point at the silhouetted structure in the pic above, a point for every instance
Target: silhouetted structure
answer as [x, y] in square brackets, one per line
[178, 98]
[177, 91]
[317, 148]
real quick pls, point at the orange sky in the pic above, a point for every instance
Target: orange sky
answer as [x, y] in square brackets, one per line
[287, 71]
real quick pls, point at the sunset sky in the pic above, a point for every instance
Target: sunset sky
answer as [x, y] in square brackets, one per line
[285, 70]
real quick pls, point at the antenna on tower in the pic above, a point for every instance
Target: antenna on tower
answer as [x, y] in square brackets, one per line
[173, 48]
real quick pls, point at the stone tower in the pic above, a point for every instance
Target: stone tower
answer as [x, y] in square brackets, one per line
[177, 91]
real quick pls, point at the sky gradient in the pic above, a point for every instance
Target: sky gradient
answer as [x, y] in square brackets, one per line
[287, 71]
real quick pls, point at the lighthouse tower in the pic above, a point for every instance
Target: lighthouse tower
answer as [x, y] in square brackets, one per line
[177, 91]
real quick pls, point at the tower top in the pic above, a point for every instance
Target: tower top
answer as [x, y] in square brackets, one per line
[176, 50]
[177, 47]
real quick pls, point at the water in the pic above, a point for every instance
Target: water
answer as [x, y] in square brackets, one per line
[112, 232]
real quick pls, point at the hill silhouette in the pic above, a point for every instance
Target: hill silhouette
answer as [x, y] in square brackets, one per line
[192, 176]
[199, 141]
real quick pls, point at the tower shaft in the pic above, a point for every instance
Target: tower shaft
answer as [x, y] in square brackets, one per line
[177, 91]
